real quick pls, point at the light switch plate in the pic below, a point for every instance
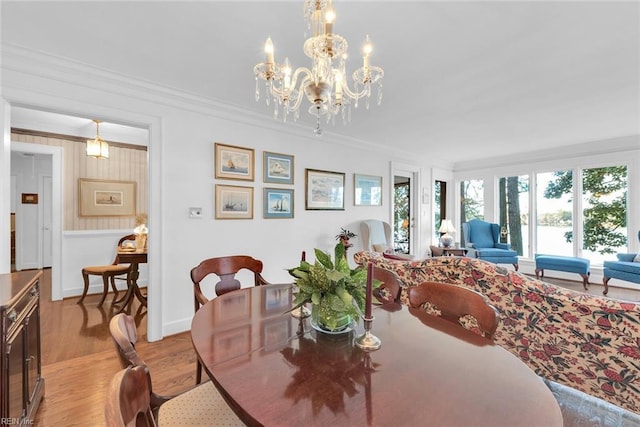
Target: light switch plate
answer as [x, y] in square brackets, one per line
[195, 212]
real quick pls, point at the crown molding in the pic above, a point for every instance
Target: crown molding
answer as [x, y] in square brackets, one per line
[68, 71]
[626, 143]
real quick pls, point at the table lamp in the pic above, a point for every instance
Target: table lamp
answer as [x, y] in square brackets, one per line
[446, 227]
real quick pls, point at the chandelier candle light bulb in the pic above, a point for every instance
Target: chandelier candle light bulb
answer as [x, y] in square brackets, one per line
[329, 17]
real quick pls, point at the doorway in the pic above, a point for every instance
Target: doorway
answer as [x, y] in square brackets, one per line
[51, 158]
[402, 236]
[405, 209]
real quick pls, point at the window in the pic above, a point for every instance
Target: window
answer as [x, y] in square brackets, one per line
[570, 212]
[440, 206]
[514, 212]
[471, 201]
[604, 212]
[554, 215]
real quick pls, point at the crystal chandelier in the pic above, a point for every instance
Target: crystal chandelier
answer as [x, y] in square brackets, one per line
[97, 147]
[325, 84]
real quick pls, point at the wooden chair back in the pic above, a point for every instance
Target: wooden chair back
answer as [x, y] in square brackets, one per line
[125, 336]
[128, 401]
[389, 290]
[127, 238]
[455, 302]
[225, 268]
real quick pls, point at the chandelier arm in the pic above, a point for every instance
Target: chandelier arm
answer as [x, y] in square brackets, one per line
[280, 93]
[308, 75]
[300, 92]
[356, 95]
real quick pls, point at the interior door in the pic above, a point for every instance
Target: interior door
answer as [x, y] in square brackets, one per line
[46, 221]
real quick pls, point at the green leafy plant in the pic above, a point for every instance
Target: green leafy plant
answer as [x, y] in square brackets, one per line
[331, 285]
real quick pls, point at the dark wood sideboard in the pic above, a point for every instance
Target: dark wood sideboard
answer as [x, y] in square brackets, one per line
[22, 385]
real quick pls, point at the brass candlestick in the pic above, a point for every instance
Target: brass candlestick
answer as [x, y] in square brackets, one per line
[367, 341]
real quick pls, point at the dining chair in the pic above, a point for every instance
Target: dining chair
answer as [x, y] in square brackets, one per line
[128, 399]
[458, 304]
[390, 288]
[225, 268]
[109, 273]
[199, 405]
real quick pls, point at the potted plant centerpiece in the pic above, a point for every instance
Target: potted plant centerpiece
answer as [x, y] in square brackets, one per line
[336, 292]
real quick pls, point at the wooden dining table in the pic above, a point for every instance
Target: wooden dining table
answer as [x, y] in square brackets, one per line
[276, 370]
[135, 258]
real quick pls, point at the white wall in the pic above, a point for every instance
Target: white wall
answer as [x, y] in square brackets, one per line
[182, 133]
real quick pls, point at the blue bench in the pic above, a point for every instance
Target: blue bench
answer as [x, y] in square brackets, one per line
[622, 269]
[563, 263]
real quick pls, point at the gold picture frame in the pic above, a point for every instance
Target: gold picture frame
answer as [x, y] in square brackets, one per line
[233, 202]
[232, 162]
[100, 197]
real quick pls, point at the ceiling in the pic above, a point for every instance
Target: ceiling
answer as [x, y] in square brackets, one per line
[463, 80]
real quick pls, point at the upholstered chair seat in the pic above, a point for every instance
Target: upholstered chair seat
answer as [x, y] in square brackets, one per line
[200, 406]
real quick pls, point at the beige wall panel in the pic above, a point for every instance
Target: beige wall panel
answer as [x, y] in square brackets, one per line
[124, 164]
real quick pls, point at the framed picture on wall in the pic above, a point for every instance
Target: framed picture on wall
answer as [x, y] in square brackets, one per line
[324, 190]
[99, 197]
[367, 190]
[233, 162]
[277, 168]
[278, 203]
[234, 202]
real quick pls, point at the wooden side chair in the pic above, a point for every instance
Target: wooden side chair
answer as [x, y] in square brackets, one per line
[460, 305]
[109, 273]
[200, 405]
[225, 268]
[389, 290]
[128, 399]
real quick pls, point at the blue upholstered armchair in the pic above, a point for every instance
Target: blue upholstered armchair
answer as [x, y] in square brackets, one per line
[483, 241]
[625, 268]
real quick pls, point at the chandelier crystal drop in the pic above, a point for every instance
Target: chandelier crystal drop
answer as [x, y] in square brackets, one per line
[325, 83]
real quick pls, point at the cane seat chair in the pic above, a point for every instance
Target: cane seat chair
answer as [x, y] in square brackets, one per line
[225, 268]
[460, 305]
[200, 405]
[109, 273]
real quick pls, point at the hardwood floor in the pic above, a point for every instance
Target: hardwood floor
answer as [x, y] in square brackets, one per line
[79, 360]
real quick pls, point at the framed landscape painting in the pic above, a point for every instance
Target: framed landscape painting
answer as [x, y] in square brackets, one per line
[99, 197]
[324, 190]
[233, 162]
[234, 202]
[278, 203]
[367, 190]
[277, 168]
